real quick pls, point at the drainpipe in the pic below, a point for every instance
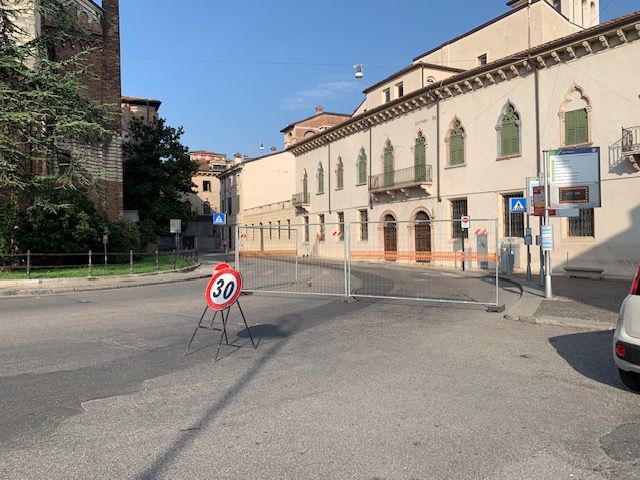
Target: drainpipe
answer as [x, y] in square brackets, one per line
[329, 171]
[439, 198]
[370, 152]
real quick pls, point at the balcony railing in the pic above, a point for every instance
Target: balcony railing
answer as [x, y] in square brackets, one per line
[300, 199]
[415, 176]
[631, 140]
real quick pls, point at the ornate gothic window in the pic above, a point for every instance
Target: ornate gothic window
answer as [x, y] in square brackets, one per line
[509, 132]
[388, 164]
[456, 144]
[420, 158]
[339, 174]
[320, 176]
[362, 167]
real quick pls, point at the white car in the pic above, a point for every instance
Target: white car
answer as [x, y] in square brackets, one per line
[626, 339]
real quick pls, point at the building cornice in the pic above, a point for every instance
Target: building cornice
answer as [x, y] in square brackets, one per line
[609, 35]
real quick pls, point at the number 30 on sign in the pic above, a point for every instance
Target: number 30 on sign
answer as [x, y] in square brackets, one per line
[224, 287]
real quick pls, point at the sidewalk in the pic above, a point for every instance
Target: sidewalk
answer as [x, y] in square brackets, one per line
[204, 269]
[575, 302]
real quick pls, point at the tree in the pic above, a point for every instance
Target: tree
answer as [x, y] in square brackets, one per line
[77, 226]
[47, 121]
[157, 170]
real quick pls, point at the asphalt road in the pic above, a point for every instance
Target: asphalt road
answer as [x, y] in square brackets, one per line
[95, 385]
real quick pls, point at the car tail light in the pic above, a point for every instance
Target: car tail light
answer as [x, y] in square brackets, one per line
[636, 281]
[621, 351]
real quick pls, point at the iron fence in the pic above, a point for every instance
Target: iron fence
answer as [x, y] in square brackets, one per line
[95, 263]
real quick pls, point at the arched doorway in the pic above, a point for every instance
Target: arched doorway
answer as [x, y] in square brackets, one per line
[422, 236]
[390, 238]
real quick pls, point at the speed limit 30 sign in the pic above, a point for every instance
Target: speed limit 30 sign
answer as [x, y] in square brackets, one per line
[224, 287]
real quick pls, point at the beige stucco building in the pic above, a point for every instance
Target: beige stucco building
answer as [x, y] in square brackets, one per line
[257, 193]
[459, 130]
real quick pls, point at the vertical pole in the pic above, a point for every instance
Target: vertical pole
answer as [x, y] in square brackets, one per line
[157, 262]
[462, 230]
[28, 264]
[174, 258]
[297, 230]
[90, 265]
[131, 262]
[237, 252]
[497, 249]
[528, 246]
[346, 259]
[541, 252]
[510, 264]
[547, 255]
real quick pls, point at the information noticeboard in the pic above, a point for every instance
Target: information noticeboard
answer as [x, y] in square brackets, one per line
[574, 178]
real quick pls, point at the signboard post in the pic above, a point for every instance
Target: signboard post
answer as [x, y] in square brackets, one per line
[464, 225]
[222, 292]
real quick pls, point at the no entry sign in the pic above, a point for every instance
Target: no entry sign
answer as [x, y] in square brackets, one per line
[223, 288]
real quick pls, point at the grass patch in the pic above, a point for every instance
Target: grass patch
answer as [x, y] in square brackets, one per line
[141, 264]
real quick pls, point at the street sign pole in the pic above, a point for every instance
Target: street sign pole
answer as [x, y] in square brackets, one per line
[547, 254]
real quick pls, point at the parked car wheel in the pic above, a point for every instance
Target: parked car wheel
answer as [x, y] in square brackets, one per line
[630, 379]
[626, 338]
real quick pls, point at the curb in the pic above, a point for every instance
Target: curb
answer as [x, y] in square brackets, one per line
[525, 311]
[111, 282]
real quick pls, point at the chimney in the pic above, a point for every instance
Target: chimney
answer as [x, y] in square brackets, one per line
[319, 110]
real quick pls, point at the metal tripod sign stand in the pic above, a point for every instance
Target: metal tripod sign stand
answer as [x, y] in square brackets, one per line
[222, 292]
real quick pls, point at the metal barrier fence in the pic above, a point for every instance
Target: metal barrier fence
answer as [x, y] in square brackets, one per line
[434, 260]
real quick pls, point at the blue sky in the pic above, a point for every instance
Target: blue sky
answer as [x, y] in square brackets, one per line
[235, 73]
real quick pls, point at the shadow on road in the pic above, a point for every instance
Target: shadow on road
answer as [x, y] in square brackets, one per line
[589, 354]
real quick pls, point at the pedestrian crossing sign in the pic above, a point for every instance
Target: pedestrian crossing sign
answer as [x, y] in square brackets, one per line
[517, 205]
[219, 218]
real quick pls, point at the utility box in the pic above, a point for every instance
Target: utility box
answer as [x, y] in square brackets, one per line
[482, 247]
[509, 255]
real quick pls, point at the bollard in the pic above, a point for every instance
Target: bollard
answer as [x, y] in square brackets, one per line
[131, 262]
[90, 264]
[157, 262]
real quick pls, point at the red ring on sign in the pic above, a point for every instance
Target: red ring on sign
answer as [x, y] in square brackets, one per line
[224, 288]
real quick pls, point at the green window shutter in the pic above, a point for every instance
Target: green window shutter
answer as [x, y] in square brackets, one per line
[419, 161]
[515, 139]
[457, 150]
[582, 130]
[570, 128]
[506, 140]
[576, 126]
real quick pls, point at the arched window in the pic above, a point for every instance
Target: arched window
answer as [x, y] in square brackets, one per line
[320, 176]
[388, 164]
[456, 144]
[574, 116]
[420, 158]
[362, 167]
[305, 187]
[206, 208]
[339, 174]
[508, 132]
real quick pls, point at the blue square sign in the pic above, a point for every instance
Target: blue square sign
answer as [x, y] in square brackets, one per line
[219, 218]
[518, 205]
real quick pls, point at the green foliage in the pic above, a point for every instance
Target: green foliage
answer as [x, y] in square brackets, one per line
[75, 226]
[157, 170]
[124, 235]
[47, 121]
